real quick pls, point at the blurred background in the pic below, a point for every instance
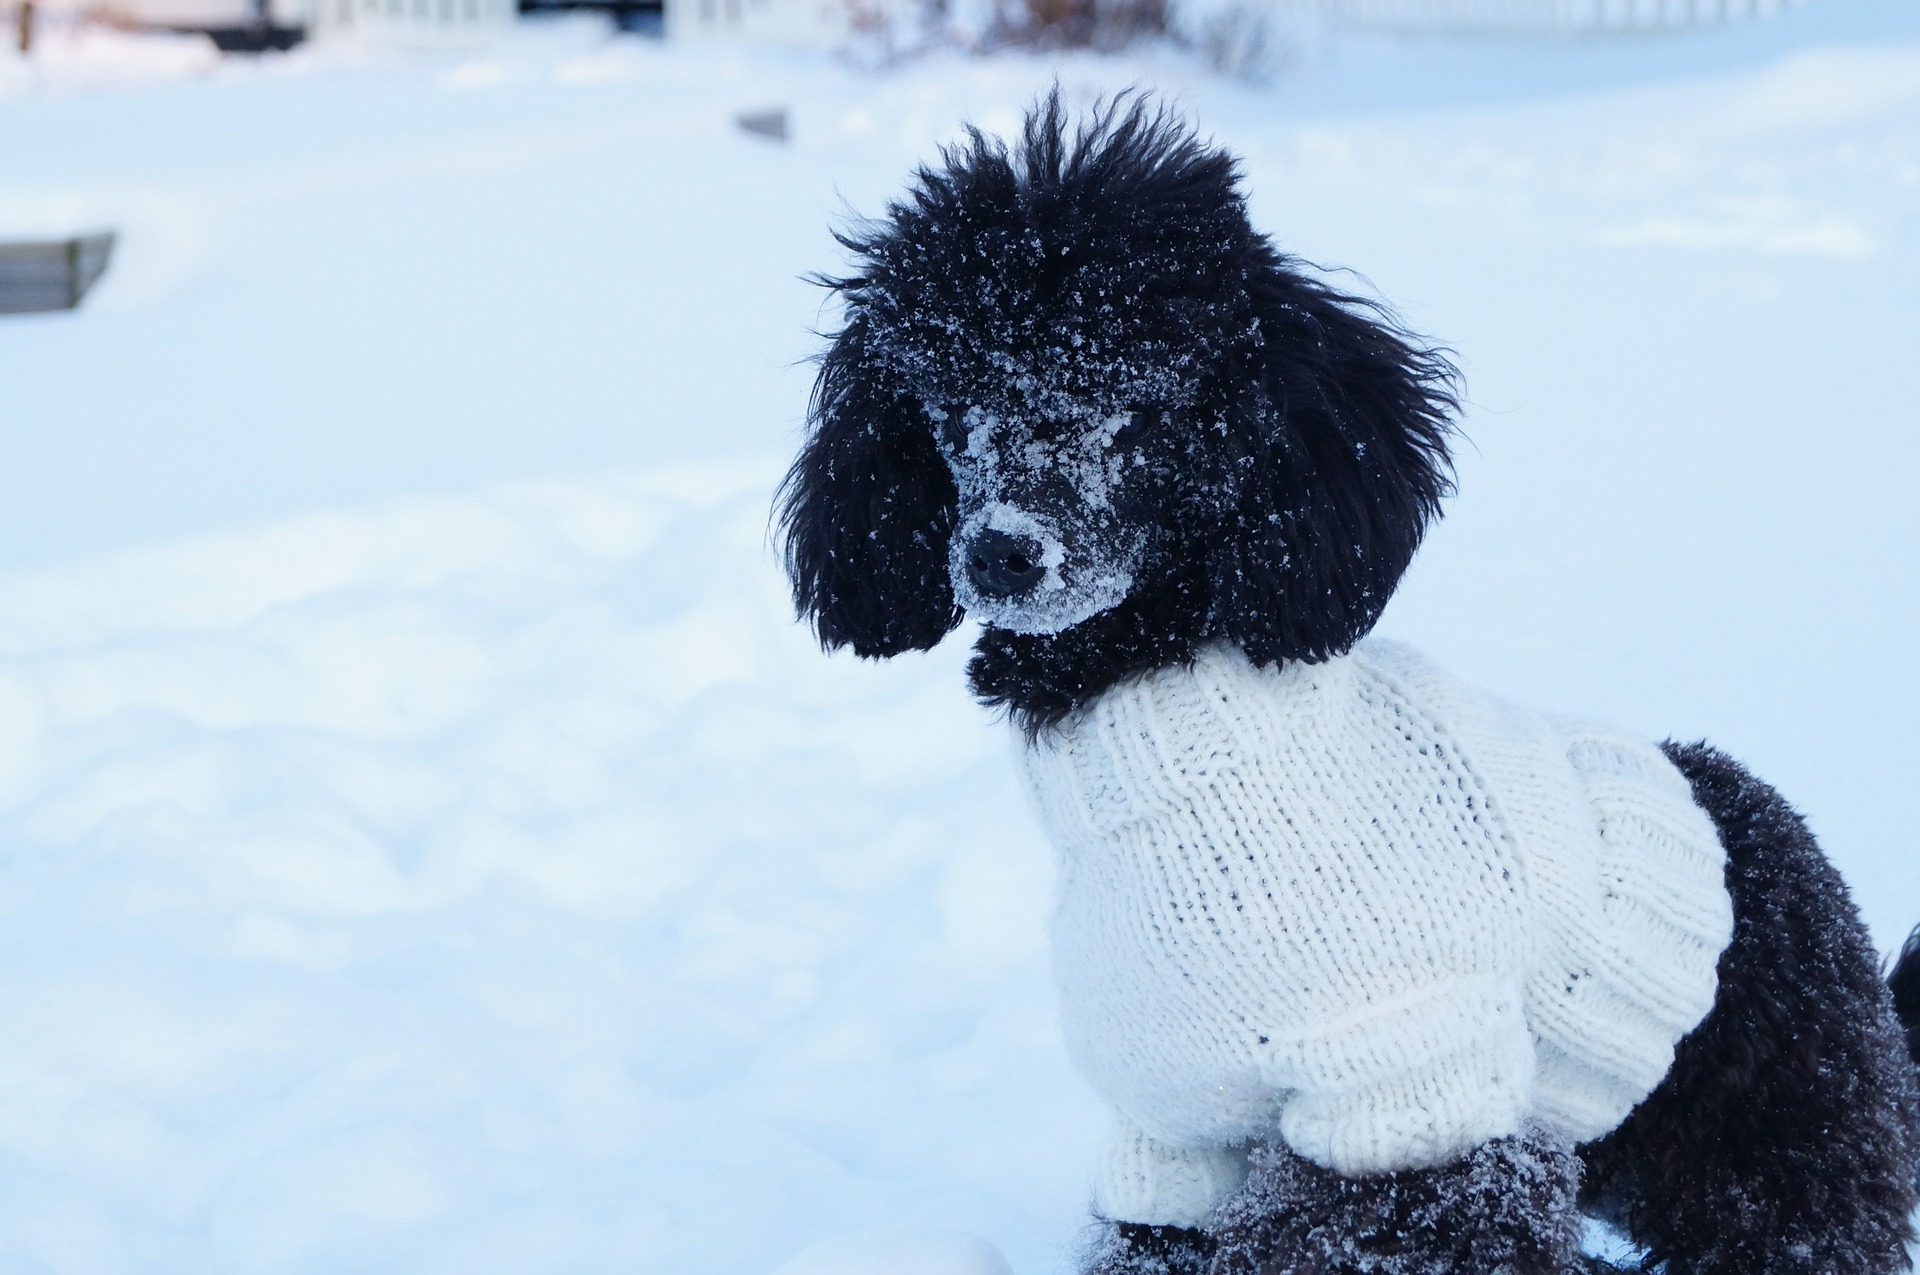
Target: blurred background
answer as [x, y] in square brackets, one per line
[427, 844]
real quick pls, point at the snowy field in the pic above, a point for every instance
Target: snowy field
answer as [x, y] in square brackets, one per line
[428, 847]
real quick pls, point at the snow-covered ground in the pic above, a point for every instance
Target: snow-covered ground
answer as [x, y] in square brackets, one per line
[426, 844]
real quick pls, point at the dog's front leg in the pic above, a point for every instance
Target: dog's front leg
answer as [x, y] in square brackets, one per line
[1138, 1248]
[1505, 1208]
[1152, 1198]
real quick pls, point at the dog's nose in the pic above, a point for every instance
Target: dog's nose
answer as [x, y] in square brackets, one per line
[1004, 566]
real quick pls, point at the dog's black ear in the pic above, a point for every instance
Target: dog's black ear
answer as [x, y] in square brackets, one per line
[867, 512]
[1344, 464]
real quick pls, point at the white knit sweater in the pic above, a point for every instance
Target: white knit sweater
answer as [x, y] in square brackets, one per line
[1367, 908]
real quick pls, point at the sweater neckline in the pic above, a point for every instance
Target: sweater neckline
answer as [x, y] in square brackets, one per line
[1220, 671]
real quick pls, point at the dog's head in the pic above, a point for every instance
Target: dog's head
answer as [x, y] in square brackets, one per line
[1073, 372]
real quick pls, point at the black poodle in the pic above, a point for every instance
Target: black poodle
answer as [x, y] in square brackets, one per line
[1079, 396]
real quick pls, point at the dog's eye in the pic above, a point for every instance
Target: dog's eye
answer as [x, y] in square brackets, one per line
[1135, 425]
[953, 432]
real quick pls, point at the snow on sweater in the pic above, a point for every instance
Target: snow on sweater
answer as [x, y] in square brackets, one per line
[1366, 907]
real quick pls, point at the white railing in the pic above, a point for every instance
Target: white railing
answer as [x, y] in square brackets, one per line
[1572, 16]
[410, 21]
[806, 23]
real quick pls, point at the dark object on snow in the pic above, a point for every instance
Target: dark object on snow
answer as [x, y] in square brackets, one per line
[23, 26]
[637, 17]
[1286, 448]
[255, 37]
[51, 274]
[771, 123]
[1506, 1207]
[262, 35]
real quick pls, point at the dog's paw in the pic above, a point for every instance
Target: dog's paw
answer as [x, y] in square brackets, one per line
[1134, 1248]
[1505, 1208]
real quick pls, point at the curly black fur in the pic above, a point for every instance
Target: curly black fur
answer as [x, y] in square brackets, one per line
[867, 509]
[1307, 449]
[1784, 1138]
[1042, 678]
[1904, 984]
[1134, 1248]
[1506, 1208]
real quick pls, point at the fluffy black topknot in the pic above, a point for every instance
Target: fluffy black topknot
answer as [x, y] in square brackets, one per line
[1054, 251]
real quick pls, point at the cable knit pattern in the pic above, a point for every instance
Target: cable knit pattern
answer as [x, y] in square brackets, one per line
[1366, 907]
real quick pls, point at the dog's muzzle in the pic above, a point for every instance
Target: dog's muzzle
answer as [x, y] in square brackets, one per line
[1004, 566]
[1013, 570]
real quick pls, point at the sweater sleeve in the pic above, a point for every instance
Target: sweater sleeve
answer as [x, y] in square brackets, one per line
[1147, 1181]
[1639, 911]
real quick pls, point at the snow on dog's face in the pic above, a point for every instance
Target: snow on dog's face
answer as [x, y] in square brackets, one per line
[1039, 546]
[1046, 484]
[1054, 384]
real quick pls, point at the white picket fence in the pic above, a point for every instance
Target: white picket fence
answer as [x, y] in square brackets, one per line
[411, 22]
[831, 23]
[805, 23]
[1539, 16]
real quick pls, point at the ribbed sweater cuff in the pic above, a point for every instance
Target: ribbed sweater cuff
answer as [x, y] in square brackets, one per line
[1418, 1119]
[1160, 1185]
